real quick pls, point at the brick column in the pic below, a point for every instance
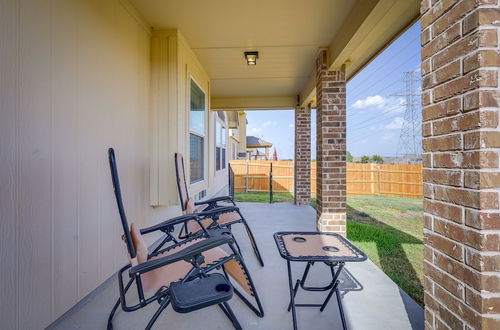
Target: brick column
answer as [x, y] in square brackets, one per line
[460, 94]
[302, 177]
[330, 147]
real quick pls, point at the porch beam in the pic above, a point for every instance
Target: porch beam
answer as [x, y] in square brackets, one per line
[370, 27]
[302, 166]
[288, 102]
[331, 188]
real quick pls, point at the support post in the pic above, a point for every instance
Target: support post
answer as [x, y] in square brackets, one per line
[302, 166]
[330, 147]
[461, 141]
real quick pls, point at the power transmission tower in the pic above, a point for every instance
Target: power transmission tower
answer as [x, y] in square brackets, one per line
[411, 131]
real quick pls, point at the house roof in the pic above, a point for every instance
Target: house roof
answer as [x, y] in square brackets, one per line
[255, 142]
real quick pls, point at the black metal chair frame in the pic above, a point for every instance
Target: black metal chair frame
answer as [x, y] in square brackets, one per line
[336, 265]
[211, 204]
[191, 254]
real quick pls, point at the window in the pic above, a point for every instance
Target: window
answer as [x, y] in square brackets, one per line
[220, 141]
[196, 133]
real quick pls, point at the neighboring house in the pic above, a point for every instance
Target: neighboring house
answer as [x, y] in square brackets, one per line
[237, 122]
[406, 159]
[255, 146]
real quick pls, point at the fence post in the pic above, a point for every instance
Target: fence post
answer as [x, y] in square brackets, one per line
[246, 181]
[271, 184]
[231, 180]
[378, 179]
[372, 178]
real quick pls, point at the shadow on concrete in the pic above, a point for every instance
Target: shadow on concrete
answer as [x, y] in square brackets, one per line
[348, 283]
[393, 259]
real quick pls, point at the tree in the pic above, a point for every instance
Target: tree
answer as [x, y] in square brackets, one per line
[349, 157]
[365, 159]
[377, 159]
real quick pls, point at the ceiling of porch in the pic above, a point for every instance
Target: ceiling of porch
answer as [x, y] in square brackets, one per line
[287, 34]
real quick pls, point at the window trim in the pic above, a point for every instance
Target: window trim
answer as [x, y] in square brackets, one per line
[194, 132]
[223, 128]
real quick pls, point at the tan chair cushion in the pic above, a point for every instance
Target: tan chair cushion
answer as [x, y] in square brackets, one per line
[165, 275]
[140, 246]
[190, 208]
[224, 218]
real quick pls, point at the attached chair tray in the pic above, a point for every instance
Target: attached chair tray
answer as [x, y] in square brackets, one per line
[199, 293]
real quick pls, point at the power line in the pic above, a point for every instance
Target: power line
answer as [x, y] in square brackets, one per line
[390, 73]
[380, 90]
[363, 135]
[361, 131]
[394, 56]
[375, 117]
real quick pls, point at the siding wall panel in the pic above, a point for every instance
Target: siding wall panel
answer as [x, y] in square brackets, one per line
[74, 80]
[9, 105]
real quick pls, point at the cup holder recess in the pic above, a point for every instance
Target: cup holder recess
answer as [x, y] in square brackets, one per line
[222, 287]
[330, 249]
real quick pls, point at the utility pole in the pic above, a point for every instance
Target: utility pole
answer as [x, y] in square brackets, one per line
[410, 136]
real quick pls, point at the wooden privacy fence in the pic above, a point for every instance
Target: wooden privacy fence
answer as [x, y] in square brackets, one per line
[395, 180]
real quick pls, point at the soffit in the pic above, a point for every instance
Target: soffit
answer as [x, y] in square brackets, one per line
[287, 34]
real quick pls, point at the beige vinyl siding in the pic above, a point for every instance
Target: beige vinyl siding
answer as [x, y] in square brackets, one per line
[74, 80]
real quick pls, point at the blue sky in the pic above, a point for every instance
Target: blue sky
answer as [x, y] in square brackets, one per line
[375, 113]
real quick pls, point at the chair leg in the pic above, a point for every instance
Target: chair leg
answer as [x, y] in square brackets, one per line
[112, 314]
[230, 315]
[252, 241]
[341, 309]
[160, 309]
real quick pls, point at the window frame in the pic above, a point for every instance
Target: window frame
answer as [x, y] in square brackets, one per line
[202, 135]
[222, 131]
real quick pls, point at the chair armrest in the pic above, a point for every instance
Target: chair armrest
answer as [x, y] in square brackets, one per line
[170, 223]
[217, 211]
[185, 254]
[215, 200]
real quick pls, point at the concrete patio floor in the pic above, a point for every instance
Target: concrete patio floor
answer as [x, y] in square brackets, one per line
[370, 299]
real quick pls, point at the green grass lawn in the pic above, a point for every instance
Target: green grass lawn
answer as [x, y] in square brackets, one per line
[261, 197]
[388, 229]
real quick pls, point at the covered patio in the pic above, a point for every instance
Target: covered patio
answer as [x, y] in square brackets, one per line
[371, 300]
[153, 78]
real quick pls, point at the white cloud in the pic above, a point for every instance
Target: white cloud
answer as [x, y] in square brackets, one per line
[370, 101]
[267, 123]
[291, 125]
[396, 123]
[386, 104]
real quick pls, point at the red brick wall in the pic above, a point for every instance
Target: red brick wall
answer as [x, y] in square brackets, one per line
[302, 178]
[460, 94]
[331, 189]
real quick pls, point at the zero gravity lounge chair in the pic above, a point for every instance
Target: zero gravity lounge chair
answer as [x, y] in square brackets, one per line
[232, 214]
[180, 273]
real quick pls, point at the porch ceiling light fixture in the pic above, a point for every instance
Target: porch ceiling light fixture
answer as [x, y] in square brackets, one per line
[251, 57]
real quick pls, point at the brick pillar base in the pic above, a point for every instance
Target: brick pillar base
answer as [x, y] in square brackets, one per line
[460, 95]
[302, 177]
[330, 147]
